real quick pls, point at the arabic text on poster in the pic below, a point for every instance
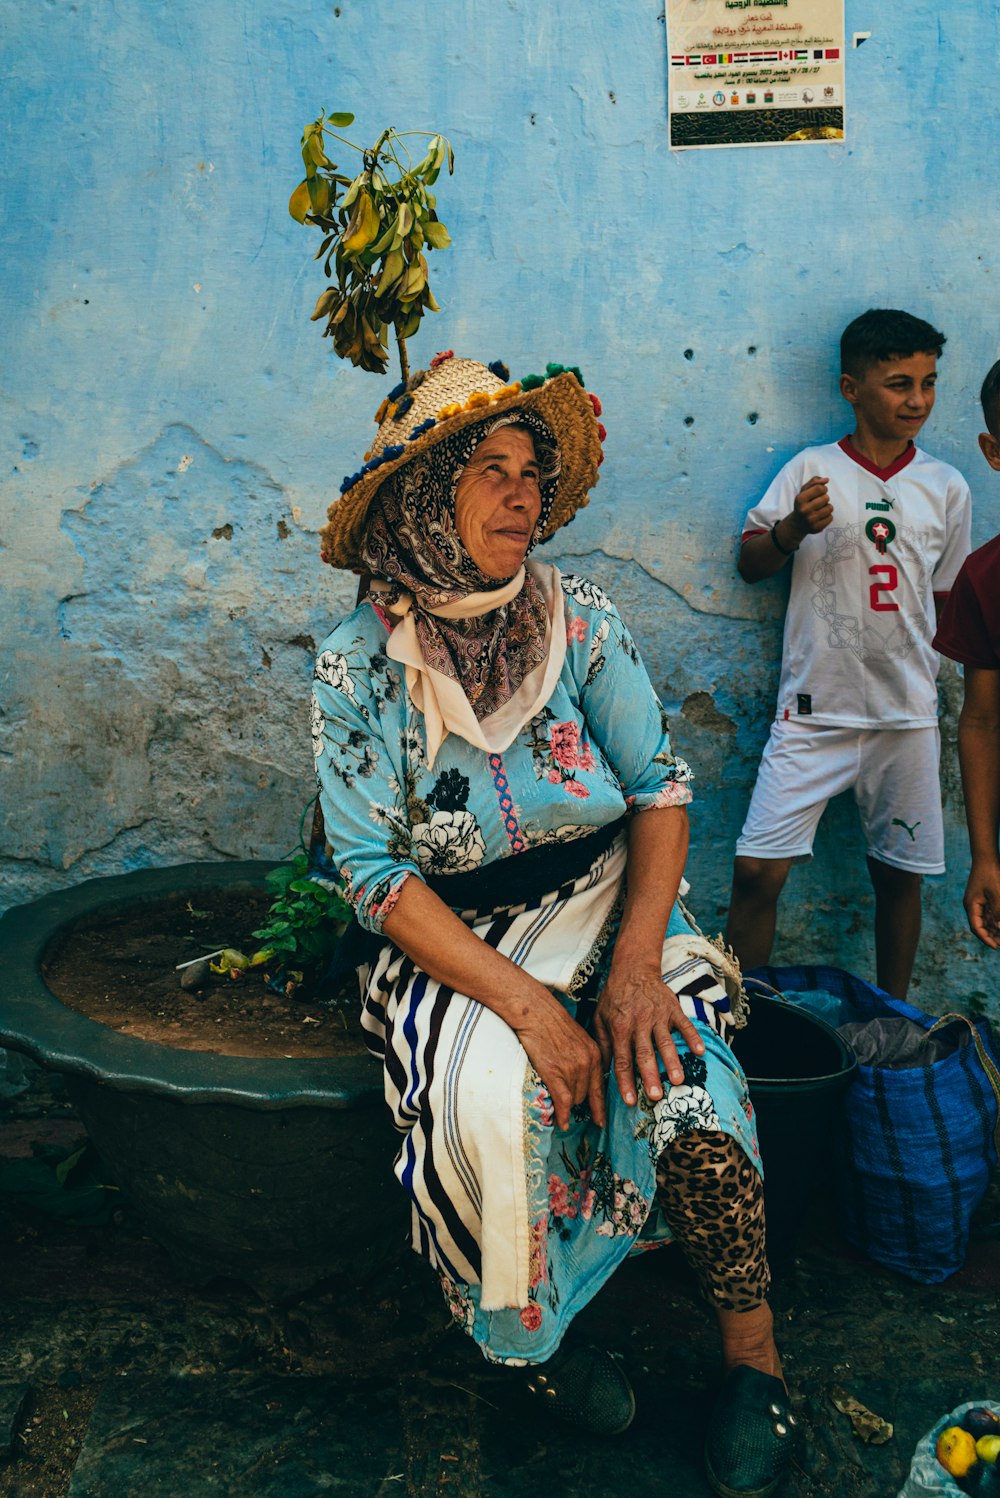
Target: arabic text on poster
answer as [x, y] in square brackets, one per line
[755, 72]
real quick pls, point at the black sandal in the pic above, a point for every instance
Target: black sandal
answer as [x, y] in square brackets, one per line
[751, 1433]
[584, 1387]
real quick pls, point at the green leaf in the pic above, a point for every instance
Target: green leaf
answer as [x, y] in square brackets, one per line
[39, 1184]
[314, 146]
[66, 1167]
[324, 303]
[387, 236]
[437, 235]
[340, 120]
[392, 271]
[303, 886]
[318, 189]
[415, 281]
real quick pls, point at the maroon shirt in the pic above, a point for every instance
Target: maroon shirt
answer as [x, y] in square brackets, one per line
[969, 630]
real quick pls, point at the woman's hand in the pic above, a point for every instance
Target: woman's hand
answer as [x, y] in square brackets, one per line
[636, 1015]
[566, 1059]
[560, 1050]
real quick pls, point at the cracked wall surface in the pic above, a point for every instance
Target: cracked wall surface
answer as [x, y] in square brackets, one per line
[173, 426]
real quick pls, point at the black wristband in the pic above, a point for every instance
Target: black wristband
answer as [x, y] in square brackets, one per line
[774, 537]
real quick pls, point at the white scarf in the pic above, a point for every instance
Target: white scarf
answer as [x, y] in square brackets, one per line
[445, 707]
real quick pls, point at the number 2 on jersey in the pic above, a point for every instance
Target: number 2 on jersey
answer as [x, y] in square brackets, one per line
[889, 585]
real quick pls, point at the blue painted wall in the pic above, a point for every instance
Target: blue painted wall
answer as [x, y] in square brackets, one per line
[174, 426]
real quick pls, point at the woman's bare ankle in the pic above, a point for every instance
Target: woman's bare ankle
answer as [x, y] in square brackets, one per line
[748, 1337]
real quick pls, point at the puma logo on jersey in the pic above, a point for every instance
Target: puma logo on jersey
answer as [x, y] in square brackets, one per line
[911, 831]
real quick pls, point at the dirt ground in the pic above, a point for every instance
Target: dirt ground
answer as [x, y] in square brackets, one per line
[94, 1321]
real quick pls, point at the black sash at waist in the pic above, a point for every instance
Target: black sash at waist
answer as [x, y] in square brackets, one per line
[518, 880]
[524, 877]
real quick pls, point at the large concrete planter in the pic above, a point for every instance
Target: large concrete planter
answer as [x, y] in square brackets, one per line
[276, 1171]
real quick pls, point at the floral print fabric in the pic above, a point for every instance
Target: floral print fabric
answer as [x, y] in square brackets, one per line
[599, 746]
[599, 1201]
[524, 1222]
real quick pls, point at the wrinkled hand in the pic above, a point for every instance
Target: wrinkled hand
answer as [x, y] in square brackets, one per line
[567, 1060]
[813, 510]
[635, 1018]
[982, 902]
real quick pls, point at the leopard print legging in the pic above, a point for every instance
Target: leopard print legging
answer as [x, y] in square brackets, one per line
[713, 1200]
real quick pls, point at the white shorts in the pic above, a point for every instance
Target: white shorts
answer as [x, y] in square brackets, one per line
[894, 773]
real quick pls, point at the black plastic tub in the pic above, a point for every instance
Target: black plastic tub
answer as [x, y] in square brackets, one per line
[797, 1069]
[272, 1170]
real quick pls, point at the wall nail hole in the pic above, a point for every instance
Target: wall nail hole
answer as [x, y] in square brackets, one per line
[611, 96]
[689, 421]
[752, 350]
[689, 353]
[752, 419]
[532, 118]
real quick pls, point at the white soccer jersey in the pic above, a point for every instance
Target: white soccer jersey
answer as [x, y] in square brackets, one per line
[857, 649]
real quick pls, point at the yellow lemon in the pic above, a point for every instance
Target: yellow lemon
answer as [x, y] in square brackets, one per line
[988, 1448]
[955, 1450]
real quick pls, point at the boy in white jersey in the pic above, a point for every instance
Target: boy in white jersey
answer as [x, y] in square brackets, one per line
[878, 530]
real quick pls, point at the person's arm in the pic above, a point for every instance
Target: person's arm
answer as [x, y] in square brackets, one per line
[979, 756]
[368, 825]
[560, 1050]
[765, 553]
[637, 1011]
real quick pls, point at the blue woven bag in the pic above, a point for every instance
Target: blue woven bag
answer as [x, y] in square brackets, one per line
[918, 1144]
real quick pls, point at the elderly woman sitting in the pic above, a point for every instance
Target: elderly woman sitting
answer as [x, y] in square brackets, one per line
[501, 800]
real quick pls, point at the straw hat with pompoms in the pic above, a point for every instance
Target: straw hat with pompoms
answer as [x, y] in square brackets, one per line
[455, 393]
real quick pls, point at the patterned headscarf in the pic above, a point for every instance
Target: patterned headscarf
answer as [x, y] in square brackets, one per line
[412, 542]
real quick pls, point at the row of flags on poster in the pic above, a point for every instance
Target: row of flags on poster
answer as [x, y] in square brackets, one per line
[727, 59]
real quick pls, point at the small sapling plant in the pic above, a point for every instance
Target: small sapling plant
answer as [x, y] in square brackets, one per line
[377, 229]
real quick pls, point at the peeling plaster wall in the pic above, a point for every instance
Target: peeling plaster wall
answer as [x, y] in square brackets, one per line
[173, 425]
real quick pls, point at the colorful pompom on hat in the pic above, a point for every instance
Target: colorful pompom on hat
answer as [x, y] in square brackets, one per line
[453, 394]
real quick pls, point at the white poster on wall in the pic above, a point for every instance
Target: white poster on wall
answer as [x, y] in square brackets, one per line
[755, 72]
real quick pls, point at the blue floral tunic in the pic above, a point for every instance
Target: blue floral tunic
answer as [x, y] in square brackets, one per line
[598, 749]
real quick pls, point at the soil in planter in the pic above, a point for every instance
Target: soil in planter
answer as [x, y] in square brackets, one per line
[121, 972]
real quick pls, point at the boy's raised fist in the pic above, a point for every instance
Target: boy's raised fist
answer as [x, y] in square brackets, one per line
[813, 510]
